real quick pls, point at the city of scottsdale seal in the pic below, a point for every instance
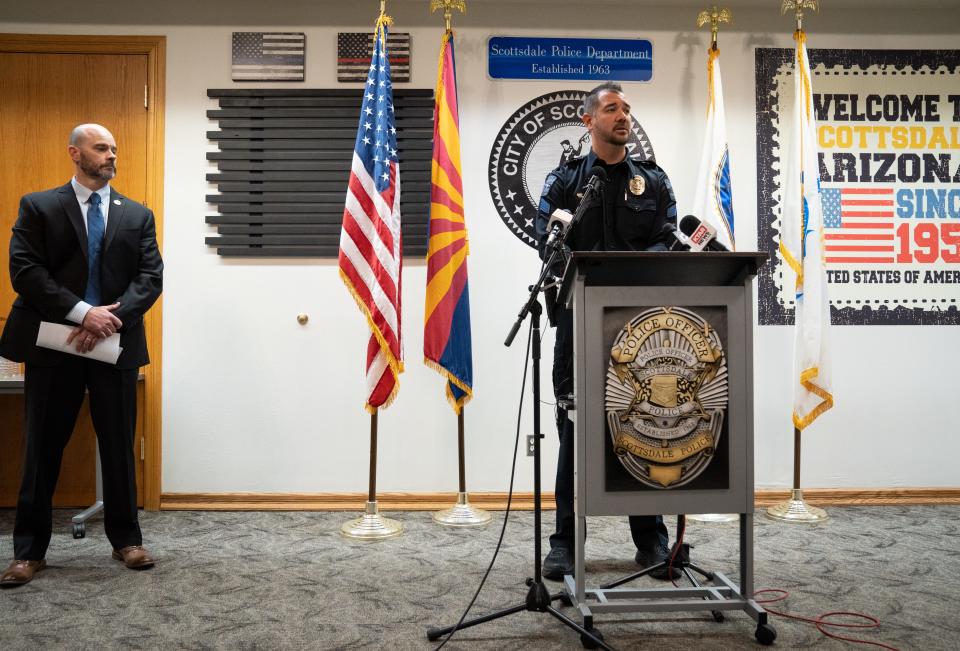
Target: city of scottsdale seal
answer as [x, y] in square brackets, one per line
[666, 396]
[540, 136]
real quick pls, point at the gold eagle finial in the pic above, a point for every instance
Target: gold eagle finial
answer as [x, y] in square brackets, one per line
[714, 15]
[448, 6]
[798, 7]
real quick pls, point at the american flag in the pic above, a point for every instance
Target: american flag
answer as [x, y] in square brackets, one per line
[858, 225]
[370, 243]
[354, 50]
[268, 56]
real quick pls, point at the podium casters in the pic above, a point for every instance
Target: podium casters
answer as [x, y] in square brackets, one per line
[79, 530]
[718, 617]
[765, 634]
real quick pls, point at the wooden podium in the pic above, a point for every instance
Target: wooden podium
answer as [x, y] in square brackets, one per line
[663, 393]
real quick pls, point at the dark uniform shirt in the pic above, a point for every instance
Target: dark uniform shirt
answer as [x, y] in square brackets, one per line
[636, 203]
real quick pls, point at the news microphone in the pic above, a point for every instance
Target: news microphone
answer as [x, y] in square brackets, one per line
[674, 242]
[701, 236]
[560, 219]
[557, 226]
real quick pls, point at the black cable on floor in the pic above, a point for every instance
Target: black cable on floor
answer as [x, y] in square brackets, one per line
[506, 515]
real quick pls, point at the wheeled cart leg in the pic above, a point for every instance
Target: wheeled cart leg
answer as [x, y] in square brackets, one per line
[80, 519]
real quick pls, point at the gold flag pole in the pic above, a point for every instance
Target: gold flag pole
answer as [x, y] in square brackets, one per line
[461, 514]
[713, 16]
[796, 508]
[371, 525]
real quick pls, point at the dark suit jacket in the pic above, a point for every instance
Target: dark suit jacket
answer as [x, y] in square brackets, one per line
[48, 269]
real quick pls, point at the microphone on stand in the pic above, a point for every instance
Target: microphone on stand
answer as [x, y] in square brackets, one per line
[560, 226]
[701, 236]
[559, 223]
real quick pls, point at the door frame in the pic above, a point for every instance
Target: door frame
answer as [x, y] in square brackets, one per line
[155, 48]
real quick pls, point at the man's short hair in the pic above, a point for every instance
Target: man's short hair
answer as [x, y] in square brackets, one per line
[81, 131]
[592, 100]
[78, 135]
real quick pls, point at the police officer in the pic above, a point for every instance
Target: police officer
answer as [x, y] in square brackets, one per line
[630, 214]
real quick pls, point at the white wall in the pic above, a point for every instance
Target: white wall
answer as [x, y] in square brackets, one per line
[255, 402]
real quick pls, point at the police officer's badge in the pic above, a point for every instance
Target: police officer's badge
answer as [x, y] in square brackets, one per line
[637, 185]
[666, 396]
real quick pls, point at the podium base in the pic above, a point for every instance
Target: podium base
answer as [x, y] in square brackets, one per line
[371, 526]
[796, 509]
[463, 514]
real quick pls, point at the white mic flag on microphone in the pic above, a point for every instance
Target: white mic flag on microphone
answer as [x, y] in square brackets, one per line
[560, 217]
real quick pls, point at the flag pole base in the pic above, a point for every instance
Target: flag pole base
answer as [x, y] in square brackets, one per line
[371, 526]
[714, 517]
[796, 509]
[463, 514]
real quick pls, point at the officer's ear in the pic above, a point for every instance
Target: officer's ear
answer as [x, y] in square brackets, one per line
[587, 120]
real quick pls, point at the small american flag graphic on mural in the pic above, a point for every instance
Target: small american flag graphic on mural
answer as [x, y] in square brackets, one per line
[268, 56]
[858, 225]
[354, 50]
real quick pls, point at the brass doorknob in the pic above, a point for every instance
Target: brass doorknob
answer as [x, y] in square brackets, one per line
[302, 319]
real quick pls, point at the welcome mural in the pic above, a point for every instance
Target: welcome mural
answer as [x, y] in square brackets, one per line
[888, 128]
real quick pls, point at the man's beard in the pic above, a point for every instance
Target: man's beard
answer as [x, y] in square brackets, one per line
[104, 172]
[614, 138]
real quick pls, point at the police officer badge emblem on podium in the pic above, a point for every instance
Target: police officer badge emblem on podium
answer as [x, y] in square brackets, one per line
[666, 396]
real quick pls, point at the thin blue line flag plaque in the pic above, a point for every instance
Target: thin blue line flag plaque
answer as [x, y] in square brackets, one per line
[520, 57]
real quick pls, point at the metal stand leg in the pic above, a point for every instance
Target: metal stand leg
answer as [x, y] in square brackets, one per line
[538, 598]
[80, 519]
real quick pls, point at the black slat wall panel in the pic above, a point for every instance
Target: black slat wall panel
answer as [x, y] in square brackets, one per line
[283, 165]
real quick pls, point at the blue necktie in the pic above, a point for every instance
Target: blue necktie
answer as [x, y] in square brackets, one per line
[95, 230]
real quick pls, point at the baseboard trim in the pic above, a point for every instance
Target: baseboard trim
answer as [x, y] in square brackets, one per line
[497, 501]
[341, 501]
[864, 496]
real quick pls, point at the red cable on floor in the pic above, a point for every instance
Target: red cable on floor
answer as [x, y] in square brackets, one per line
[820, 622]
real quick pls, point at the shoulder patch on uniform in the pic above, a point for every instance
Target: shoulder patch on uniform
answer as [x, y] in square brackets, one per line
[548, 183]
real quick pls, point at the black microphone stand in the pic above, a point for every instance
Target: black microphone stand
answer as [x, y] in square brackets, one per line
[539, 599]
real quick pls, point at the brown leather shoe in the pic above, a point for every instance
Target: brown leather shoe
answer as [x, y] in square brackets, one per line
[135, 557]
[20, 572]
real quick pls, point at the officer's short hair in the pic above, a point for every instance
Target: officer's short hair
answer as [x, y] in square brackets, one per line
[592, 100]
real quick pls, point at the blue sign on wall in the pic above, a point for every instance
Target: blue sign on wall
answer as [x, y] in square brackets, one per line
[521, 57]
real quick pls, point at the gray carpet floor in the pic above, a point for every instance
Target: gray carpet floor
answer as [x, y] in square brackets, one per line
[227, 580]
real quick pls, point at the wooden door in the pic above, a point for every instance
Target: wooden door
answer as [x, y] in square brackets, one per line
[47, 90]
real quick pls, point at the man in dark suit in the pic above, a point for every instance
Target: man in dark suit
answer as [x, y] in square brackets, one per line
[86, 256]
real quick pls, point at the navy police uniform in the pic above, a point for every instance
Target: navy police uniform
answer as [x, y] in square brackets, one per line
[629, 215]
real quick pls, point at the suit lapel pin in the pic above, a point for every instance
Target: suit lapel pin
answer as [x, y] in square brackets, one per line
[116, 202]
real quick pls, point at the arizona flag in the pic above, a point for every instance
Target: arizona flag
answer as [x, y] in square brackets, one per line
[713, 200]
[370, 243]
[446, 332]
[801, 245]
